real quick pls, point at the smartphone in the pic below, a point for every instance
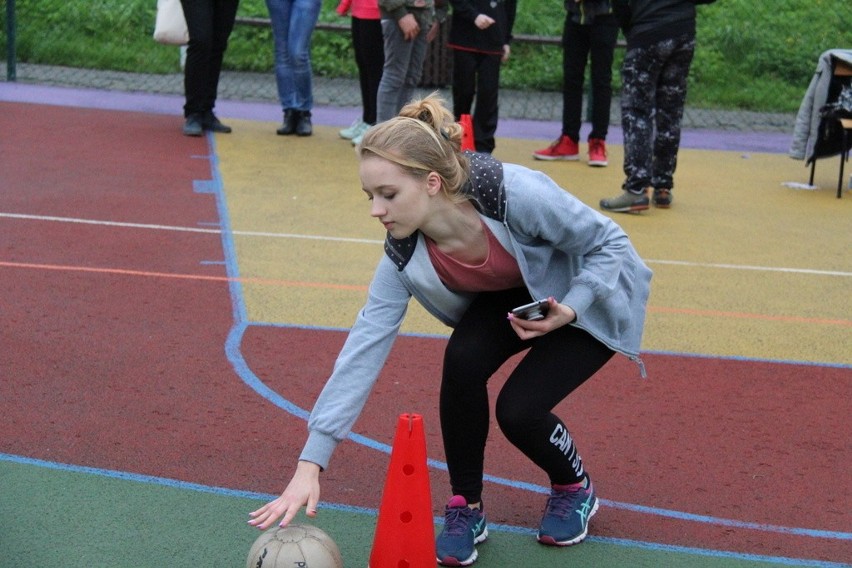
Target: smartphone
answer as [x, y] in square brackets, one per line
[532, 311]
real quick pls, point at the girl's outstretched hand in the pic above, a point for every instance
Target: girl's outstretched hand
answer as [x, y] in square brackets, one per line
[557, 316]
[303, 489]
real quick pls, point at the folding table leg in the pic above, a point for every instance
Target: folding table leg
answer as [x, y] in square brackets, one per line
[844, 155]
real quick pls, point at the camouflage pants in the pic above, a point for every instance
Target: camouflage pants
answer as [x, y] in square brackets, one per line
[653, 95]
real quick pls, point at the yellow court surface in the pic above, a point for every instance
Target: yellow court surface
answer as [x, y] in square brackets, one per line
[744, 265]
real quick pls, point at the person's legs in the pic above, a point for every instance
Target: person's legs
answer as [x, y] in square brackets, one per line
[481, 342]
[199, 21]
[604, 34]
[464, 81]
[398, 55]
[555, 366]
[280, 12]
[279, 16]
[576, 42]
[369, 57]
[419, 45]
[224, 15]
[575, 52]
[486, 113]
[303, 19]
[557, 363]
[639, 78]
[671, 97]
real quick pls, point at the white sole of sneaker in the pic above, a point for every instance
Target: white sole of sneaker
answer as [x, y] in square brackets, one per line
[557, 158]
[631, 209]
[450, 561]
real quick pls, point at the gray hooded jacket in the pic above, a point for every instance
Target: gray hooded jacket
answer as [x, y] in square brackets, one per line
[564, 249]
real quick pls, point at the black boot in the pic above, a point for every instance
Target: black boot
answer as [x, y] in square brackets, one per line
[303, 123]
[193, 125]
[211, 122]
[289, 125]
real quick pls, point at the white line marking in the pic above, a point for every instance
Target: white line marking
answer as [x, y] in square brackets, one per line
[748, 267]
[186, 229]
[808, 271]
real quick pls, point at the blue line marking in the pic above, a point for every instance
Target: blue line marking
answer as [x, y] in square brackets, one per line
[750, 359]
[203, 186]
[226, 492]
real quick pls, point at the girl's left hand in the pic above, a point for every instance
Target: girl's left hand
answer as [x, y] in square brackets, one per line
[557, 316]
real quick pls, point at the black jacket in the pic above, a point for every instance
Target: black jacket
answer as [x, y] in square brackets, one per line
[585, 12]
[649, 21]
[465, 35]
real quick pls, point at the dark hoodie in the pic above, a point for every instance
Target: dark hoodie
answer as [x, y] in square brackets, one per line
[645, 22]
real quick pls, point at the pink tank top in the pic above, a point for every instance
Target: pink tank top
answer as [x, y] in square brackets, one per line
[499, 271]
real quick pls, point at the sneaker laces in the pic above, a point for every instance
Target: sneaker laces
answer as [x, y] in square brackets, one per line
[455, 519]
[562, 502]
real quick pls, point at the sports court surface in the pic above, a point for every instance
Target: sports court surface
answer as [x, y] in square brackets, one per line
[171, 307]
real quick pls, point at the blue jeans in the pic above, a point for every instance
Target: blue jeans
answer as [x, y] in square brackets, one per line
[293, 23]
[403, 67]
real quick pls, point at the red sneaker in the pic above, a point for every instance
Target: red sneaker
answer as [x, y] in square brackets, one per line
[597, 152]
[562, 149]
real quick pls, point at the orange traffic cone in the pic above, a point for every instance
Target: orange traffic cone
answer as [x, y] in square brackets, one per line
[405, 532]
[467, 133]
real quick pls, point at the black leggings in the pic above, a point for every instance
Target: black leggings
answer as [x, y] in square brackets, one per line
[556, 364]
[369, 46]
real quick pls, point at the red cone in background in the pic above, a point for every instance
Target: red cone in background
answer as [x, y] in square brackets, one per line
[467, 136]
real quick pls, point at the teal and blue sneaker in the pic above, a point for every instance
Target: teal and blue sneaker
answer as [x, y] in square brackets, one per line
[566, 517]
[354, 130]
[464, 528]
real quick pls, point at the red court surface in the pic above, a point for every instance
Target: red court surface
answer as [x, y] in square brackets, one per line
[123, 349]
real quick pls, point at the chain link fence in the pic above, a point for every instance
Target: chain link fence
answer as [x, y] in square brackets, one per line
[31, 63]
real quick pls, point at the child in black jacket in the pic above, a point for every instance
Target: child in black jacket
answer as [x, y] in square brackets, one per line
[480, 34]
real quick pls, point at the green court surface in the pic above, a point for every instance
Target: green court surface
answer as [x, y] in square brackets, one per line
[131, 521]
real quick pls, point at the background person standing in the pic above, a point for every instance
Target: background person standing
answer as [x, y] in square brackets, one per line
[407, 28]
[210, 23]
[660, 46]
[293, 23]
[590, 34]
[368, 44]
[480, 34]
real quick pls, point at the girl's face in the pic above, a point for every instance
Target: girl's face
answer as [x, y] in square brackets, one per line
[401, 203]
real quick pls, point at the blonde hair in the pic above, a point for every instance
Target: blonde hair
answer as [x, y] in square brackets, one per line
[424, 138]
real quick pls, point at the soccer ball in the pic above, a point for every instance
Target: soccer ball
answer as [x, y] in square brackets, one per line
[294, 546]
